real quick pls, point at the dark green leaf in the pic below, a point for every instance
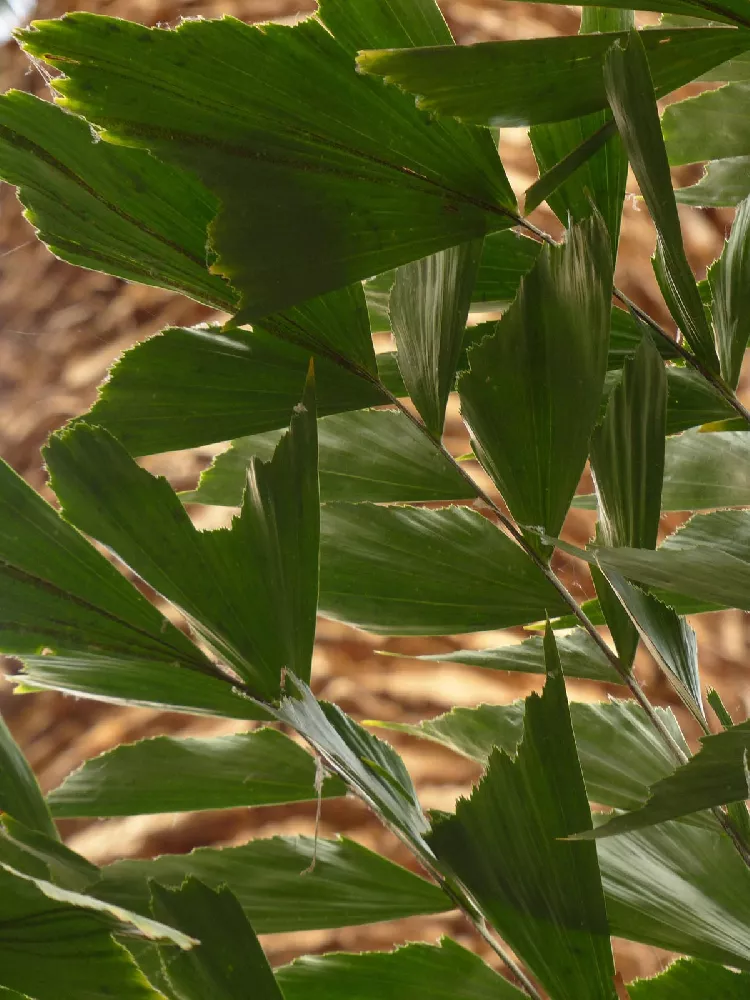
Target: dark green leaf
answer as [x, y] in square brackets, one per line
[531, 396]
[20, 795]
[398, 22]
[712, 126]
[127, 681]
[691, 980]
[631, 95]
[270, 551]
[729, 277]
[412, 571]
[706, 910]
[733, 12]
[625, 334]
[579, 657]
[627, 452]
[370, 766]
[309, 202]
[668, 637]
[715, 776]
[65, 866]
[79, 626]
[724, 182]
[229, 960]
[375, 455]
[581, 161]
[708, 559]
[702, 471]
[420, 971]
[348, 884]
[335, 325]
[541, 893]
[106, 207]
[187, 387]
[693, 401]
[168, 774]
[506, 258]
[621, 754]
[490, 83]
[429, 305]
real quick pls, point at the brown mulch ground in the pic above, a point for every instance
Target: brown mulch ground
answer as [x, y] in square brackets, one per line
[61, 329]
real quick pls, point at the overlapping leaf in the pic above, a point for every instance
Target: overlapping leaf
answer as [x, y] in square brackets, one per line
[20, 795]
[711, 126]
[632, 97]
[375, 455]
[708, 559]
[489, 83]
[729, 278]
[724, 182]
[425, 972]
[269, 555]
[541, 893]
[348, 884]
[41, 855]
[309, 202]
[106, 207]
[621, 755]
[412, 571]
[579, 657]
[168, 774]
[237, 382]
[229, 956]
[531, 395]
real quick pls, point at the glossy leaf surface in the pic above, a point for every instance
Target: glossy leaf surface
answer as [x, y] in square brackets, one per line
[169, 774]
[688, 979]
[729, 278]
[412, 571]
[20, 795]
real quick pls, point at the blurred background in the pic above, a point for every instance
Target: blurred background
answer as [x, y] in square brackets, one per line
[60, 330]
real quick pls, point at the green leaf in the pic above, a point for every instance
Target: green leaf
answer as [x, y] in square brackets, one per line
[270, 550]
[375, 455]
[711, 126]
[429, 305]
[701, 471]
[542, 894]
[65, 866]
[370, 766]
[668, 637]
[58, 951]
[106, 207]
[20, 795]
[704, 912]
[187, 387]
[309, 202]
[687, 979]
[399, 22]
[348, 884]
[579, 657]
[733, 12]
[169, 774]
[632, 97]
[729, 278]
[489, 83]
[413, 571]
[79, 626]
[445, 971]
[626, 334]
[506, 258]
[621, 754]
[229, 957]
[724, 182]
[693, 401]
[708, 559]
[715, 776]
[335, 326]
[627, 452]
[531, 396]
[126, 681]
[595, 178]
[58, 945]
